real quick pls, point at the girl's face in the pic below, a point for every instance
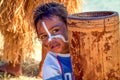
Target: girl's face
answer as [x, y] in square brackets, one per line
[55, 27]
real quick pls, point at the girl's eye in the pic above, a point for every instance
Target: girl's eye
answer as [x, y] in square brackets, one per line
[55, 30]
[43, 37]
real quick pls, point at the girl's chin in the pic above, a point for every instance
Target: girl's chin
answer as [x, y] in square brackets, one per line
[56, 51]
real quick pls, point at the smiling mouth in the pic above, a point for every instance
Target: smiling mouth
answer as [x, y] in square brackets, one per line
[55, 46]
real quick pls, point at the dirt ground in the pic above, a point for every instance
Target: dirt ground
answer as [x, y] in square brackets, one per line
[30, 70]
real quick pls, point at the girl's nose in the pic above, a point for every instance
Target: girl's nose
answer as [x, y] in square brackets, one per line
[51, 37]
[57, 36]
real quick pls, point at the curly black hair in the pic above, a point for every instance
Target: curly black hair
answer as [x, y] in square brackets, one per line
[50, 9]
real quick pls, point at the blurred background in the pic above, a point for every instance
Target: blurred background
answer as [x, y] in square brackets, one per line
[26, 8]
[104, 5]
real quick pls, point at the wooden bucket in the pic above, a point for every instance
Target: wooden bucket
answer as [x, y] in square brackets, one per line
[94, 45]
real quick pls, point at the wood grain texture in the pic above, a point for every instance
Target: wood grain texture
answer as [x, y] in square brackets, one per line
[94, 47]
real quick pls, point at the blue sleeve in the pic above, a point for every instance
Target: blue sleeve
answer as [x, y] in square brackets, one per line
[59, 77]
[51, 73]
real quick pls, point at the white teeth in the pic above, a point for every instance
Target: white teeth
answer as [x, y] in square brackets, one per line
[51, 37]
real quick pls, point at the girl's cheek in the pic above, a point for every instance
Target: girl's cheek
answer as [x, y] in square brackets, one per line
[45, 44]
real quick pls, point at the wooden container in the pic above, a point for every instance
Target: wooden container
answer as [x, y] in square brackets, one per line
[94, 45]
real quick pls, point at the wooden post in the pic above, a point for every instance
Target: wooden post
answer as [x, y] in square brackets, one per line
[94, 45]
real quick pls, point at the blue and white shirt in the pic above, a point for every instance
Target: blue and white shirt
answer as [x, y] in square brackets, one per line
[57, 67]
